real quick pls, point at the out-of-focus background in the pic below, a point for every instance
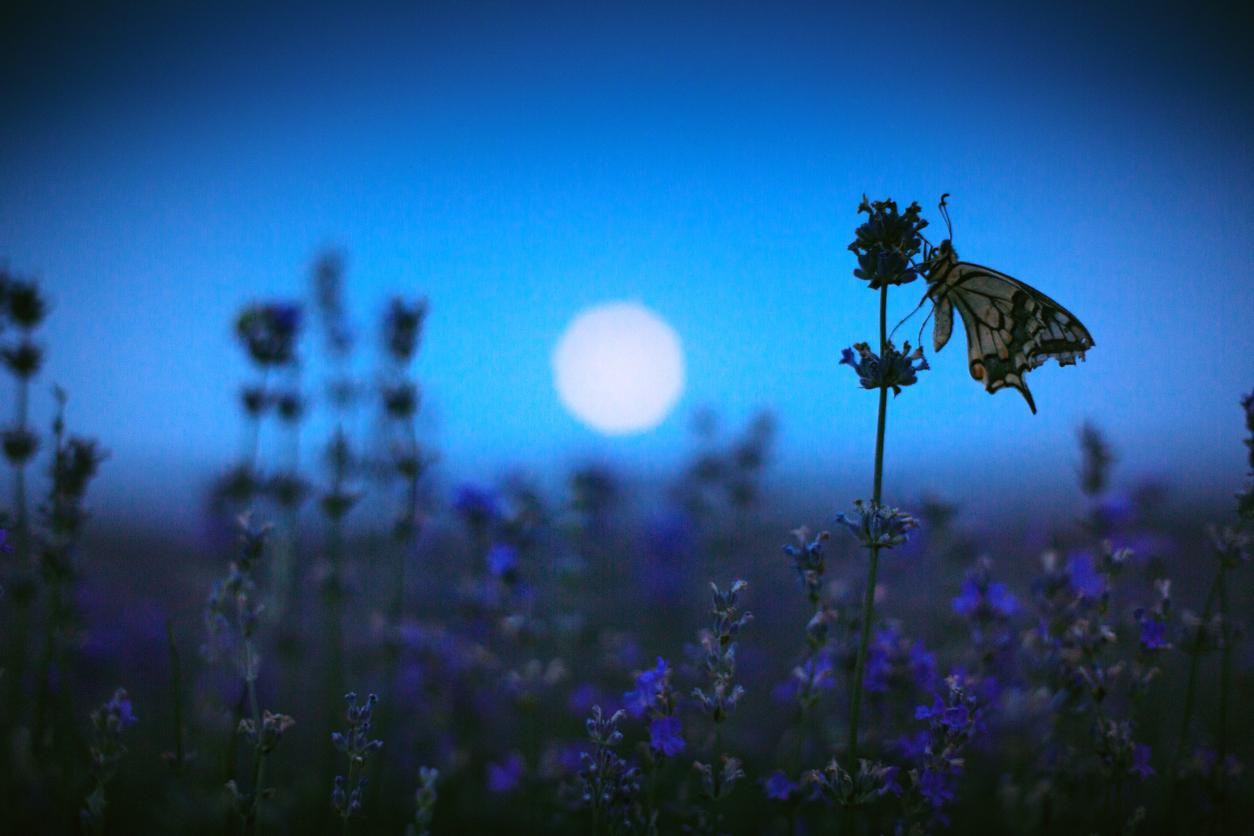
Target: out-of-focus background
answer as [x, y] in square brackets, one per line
[160, 165]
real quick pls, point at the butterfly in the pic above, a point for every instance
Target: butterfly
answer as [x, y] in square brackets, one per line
[1011, 327]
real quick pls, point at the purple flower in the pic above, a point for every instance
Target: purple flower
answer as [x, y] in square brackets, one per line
[5, 546]
[120, 710]
[648, 685]
[1141, 762]
[1083, 577]
[666, 735]
[779, 786]
[1153, 634]
[985, 599]
[936, 788]
[505, 777]
[477, 505]
[893, 371]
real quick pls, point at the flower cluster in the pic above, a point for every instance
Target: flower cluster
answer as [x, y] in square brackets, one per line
[937, 750]
[402, 328]
[887, 243]
[719, 652]
[878, 526]
[654, 698]
[106, 749]
[234, 607]
[425, 798]
[268, 332]
[357, 744]
[892, 371]
[608, 785]
[839, 786]
[808, 560]
[273, 726]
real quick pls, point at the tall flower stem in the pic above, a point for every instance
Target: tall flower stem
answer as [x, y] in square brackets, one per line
[1190, 696]
[868, 602]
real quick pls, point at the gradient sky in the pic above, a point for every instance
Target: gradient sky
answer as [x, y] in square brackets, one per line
[519, 162]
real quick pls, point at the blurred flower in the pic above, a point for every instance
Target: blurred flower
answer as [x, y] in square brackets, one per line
[779, 786]
[402, 327]
[808, 561]
[1084, 578]
[1141, 762]
[5, 546]
[649, 686]
[268, 332]
[666, 735]
[506, 776]
[870, 782]
[893, 371]
[24, 303]
[477, 506]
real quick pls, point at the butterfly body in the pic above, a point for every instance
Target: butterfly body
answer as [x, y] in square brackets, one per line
[1011, 327]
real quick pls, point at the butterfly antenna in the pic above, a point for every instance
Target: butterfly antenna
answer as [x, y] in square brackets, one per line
[908, 316]
[923, 326]
[944, 210]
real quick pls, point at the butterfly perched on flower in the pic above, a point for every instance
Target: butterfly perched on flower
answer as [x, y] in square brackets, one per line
[1011, 327]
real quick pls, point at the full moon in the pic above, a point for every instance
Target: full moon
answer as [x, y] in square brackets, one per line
[619, 368]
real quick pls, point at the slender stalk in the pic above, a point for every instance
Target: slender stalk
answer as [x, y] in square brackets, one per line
[1190, 701]
[868, 602]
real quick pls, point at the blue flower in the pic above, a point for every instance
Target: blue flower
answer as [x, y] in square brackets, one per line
[120, 711]
[1141, 761]
[985, 599]
[936, 788]
[666, 735]
[895, 370]
[478, 506]
[779, 786]
[504, 777]
[1153, 634]
[5, 546]
[1084, 579]
[649, 685]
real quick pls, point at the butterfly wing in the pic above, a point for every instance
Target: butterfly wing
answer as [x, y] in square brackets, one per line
[1011, 327]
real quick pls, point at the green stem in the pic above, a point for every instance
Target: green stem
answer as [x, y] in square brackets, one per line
[868, 602]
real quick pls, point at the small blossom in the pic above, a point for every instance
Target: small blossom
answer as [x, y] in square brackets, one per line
[878, 526]
[893, 371]
[779, 786]
[506, 776]
[649, 686]
[1141, 762]
[666, 735]
[1153, 634]
[886, 243]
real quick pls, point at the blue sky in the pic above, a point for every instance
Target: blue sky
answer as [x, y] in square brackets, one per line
[159, 169]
